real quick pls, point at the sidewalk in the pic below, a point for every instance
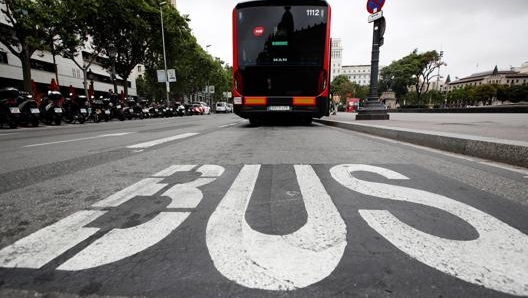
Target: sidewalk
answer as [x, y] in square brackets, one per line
[498, 137]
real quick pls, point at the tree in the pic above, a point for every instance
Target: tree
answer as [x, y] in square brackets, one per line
[459, 97]
[76, 23]
[130, 28]
[482, 94]
[25, 31]
[343, 87]
[415, 70]
[518, 93]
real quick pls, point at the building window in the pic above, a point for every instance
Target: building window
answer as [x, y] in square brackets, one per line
[139, 68]
[3, 57]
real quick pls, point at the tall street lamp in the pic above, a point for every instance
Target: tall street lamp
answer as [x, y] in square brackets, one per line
[167, 84]
[113, 56]
[207, 94]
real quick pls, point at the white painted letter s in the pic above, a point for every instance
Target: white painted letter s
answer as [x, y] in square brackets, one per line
[497, 259]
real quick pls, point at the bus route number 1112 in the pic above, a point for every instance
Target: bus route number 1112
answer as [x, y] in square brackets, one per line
[314, 12]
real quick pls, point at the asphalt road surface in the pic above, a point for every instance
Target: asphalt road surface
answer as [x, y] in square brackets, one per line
[209, 206]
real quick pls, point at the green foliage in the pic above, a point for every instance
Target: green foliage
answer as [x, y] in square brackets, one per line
[25, 31]
[128, 29]
[342, 86]
[415, 69]
[518, 93]
[484, 94]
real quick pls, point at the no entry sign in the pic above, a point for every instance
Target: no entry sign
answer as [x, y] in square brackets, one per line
[373, 6]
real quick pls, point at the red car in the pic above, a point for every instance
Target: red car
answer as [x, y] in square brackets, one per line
[197, 109]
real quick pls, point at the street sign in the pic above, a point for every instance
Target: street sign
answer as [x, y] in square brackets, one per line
[373, 6]
[378, 15]
[161, 76]
[171, 73]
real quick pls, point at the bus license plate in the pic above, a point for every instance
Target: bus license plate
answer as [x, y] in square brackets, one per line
[279, 108]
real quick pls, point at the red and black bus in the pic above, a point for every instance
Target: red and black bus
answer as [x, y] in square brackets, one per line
[281, 59]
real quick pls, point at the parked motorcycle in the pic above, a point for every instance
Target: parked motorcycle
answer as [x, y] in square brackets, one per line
[29, 112]
[180, 109]
[142, 104]
[75, 109]
[51, 109]
[117, 108]
[107, 109]
[97, 110]
[9, 110]
[130, 110]
[156, 112]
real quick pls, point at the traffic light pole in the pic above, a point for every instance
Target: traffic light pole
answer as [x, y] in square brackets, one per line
[374, 109]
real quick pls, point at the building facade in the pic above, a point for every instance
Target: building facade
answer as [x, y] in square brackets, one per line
[512, 77]
[45, 67]
[68, 73]
[336, 59]
[359, 74]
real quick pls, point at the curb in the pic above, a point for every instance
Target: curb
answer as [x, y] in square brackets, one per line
[505, 151]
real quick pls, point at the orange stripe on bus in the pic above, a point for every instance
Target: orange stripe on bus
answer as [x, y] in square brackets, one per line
[256, 101]
[304, 101]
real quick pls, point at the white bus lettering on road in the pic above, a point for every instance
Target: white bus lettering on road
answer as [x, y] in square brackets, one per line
[497, 259]
[119, 244]
[39, 248]
[276, 262]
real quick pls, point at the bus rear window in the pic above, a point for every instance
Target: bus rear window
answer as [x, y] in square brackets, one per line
[281, 35]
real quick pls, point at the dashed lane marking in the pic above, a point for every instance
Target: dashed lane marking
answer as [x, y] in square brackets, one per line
[161, 141]
[80, 139]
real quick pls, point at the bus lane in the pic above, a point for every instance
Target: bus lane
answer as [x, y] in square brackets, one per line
[346, 225]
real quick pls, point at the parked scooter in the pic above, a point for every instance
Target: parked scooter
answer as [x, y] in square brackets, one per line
[107, 109]
[51, 109]
[130, 110]
[75, 109]
[96, 114]
[117, 108]
[180, 109]
[142, 104]
[29, 112]
[9, 110]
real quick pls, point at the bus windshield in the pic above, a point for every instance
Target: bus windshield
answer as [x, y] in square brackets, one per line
[281, 35]
[280, 49]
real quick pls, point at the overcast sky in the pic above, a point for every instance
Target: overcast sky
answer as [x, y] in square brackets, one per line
[474, 35]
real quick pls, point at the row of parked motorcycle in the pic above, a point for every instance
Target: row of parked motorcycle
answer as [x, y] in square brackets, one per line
[18, 108]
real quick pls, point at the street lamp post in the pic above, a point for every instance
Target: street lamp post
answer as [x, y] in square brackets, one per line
[207, 94]
[373, 109]
[167, 84]
[113, 55]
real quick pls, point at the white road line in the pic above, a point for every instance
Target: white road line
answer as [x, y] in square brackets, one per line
[503, 166]
[506, 167]
[161, 141]
[228, 125]
[81, 139]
